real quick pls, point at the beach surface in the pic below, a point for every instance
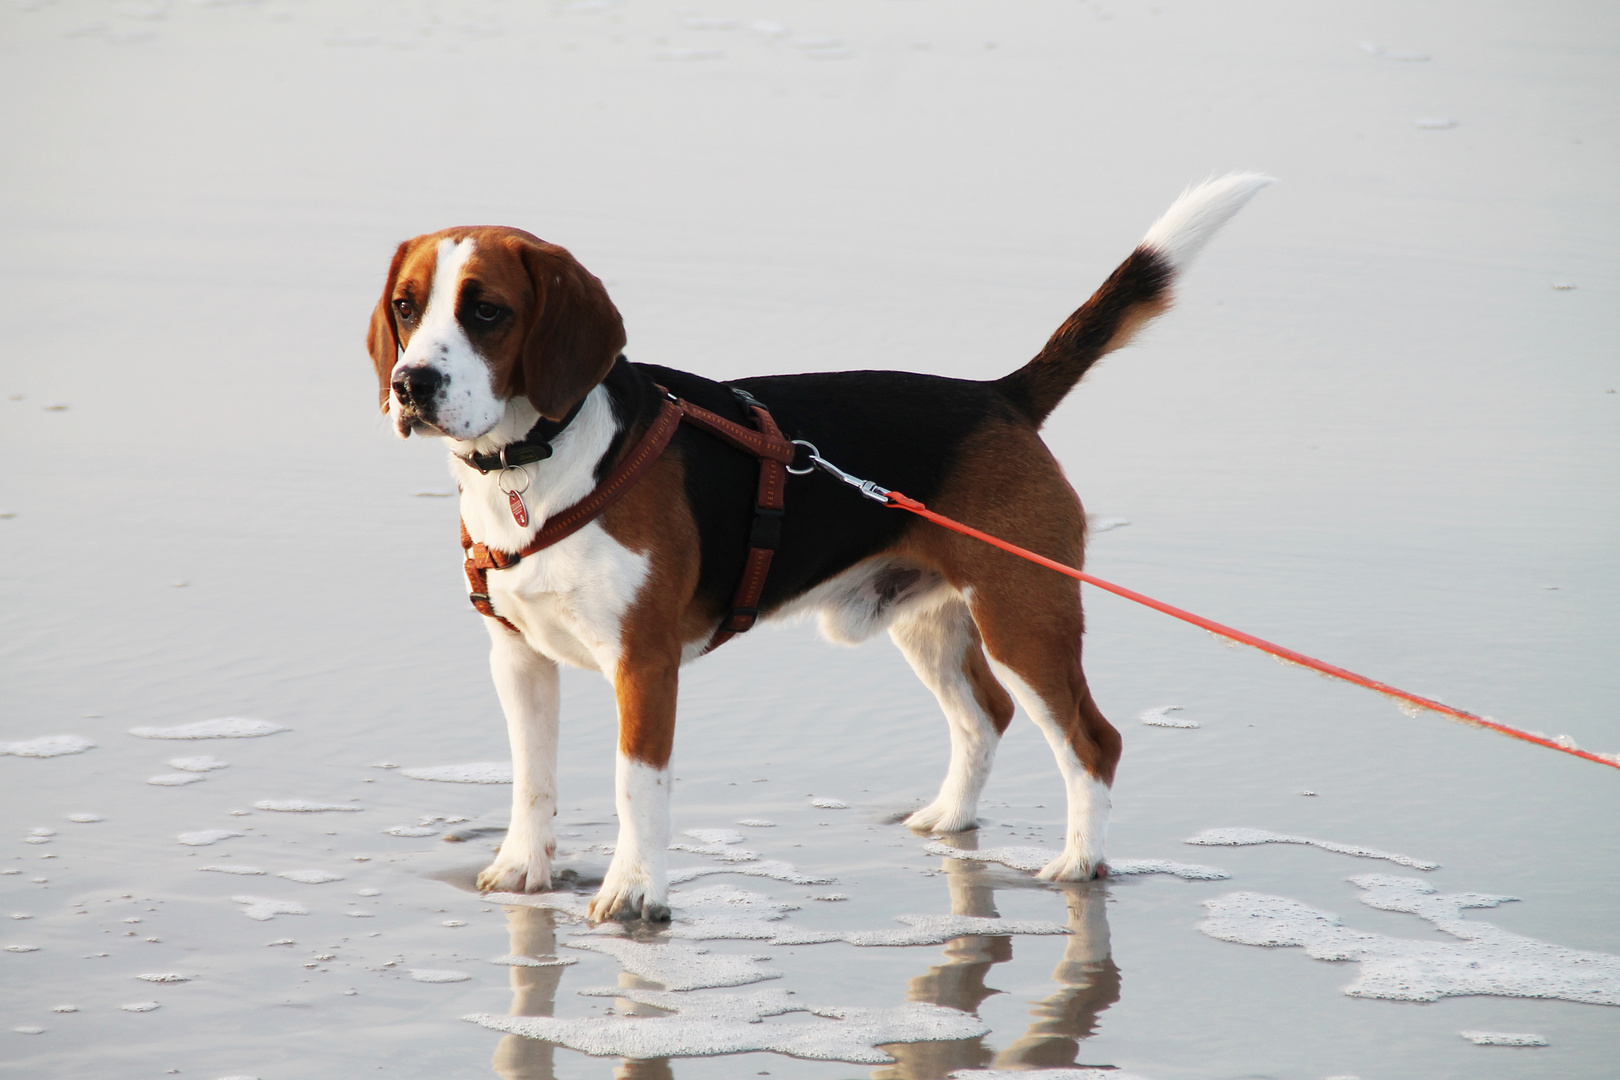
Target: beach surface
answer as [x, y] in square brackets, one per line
[1379, 426]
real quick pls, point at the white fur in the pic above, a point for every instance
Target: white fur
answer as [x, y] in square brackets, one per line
[853, 607]
[1192, 220]
[466, 405]
[637, 881]
[935, 640]
[1086, 836]
[526, 682]
[570, 599]
[569, 602]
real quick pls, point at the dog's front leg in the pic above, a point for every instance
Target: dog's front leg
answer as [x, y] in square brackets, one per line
[526, 683]
[637, 882]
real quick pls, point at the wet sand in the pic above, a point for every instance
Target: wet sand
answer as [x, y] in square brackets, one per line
[1376, 428]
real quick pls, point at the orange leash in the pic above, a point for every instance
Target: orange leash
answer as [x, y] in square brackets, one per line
[898, 501]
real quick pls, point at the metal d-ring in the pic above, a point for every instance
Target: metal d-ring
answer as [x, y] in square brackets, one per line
[501, 480]
[814, 456]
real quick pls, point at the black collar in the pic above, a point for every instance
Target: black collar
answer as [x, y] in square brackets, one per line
[535, 446]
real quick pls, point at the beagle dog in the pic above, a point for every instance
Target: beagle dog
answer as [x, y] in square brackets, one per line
[509, 350]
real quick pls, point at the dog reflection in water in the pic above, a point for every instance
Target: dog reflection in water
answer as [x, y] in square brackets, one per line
[533, 933]
[1088, 983]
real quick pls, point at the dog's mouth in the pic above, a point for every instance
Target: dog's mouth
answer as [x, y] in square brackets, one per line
[408, 422]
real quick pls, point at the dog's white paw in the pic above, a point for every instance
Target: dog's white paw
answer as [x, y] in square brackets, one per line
[943, 817]
[1074, 865]
[626, 896]
[516, 873]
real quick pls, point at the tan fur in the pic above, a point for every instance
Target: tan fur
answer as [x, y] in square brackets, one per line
[564, 333]
[1007, 483]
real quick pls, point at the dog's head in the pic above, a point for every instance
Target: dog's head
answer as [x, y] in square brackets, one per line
[472, 318]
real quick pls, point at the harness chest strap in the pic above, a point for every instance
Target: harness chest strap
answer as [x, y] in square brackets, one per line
[768, 444]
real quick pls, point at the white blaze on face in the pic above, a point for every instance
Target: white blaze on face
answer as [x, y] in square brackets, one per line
[465, 404]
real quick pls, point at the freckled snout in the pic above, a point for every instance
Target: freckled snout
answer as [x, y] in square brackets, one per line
[417, 385]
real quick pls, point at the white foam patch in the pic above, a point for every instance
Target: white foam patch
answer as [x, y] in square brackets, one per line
[301, 806]
[431, 975]
[166, 977]
[1488, 960]
[246, 871]
[477, 772]
[1503, 1038]
[1054, 1074]
[1028, 859]
[198, 763]
[767, 868]
[1031, 859]
[22, 948]
[528, 961]
[1161, 717]
[829, 804]
[1097, 524]
[204, 837]
[567, 903]
[1238, 837]
[938, 929]
[715, 836]
[140, 1006]
[85, 819]
[411, 830]
[226, 727]
[731, 1024]
[679, 967]
[264, 910]
[309, 877]
[1184, 871]
[178, 779]
[723, 852]
[724, 913]
[47, 746]
[757, 823]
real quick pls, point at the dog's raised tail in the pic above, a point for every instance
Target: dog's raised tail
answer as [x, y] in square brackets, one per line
[1135, 292]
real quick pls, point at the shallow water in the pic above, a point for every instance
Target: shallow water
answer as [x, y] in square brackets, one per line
[1378, 428]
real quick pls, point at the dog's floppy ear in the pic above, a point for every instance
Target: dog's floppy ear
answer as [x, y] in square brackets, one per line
[382, 339]
[576, 335]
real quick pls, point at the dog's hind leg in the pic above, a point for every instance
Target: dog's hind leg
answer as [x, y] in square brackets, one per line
[1033, 640]
[527, 685]
[942, 646]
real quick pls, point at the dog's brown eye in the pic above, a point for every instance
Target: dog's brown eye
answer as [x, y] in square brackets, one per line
[486, 312]
[405, 308]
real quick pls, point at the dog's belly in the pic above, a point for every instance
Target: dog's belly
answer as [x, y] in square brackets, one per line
[864, 600]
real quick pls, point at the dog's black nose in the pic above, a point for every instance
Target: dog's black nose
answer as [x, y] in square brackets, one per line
[417, 385]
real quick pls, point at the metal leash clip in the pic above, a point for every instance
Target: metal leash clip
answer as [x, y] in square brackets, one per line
[870, 488]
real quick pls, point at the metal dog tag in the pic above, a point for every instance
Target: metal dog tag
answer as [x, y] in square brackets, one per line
[520, 513]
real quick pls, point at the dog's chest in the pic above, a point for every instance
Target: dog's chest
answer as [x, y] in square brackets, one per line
[572, 599]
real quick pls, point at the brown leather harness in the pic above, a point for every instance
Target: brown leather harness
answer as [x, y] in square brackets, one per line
[768, 444]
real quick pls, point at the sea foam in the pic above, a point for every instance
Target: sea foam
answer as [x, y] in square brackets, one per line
[477, 772]
[226, 727]
[1487, 959]
[1238, 837]
[47, 746]
[732, 1024]
[1031, 859]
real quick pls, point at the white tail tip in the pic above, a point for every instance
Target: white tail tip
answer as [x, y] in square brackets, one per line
[1187, 226]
